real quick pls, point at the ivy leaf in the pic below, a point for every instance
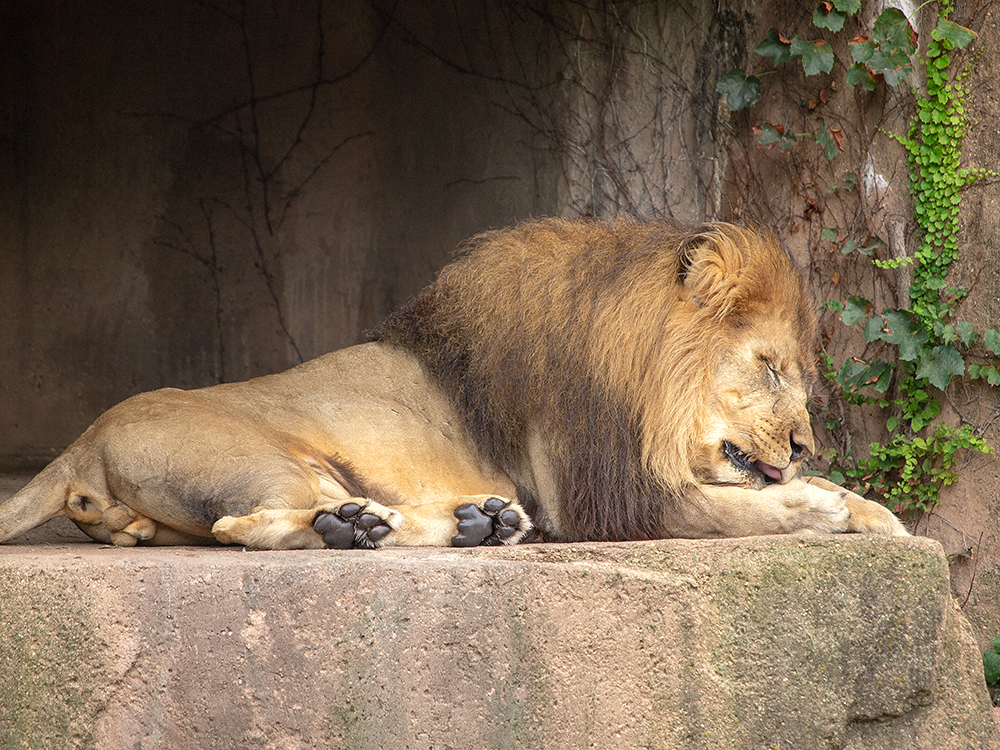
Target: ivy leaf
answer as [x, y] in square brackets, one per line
[919, 421]
[873, 244]
[847, 6]
[830, 140]
[858, 73]
[862, 48]
[849, 372]
[966, 333]
[936, 283]
[880, 373]
[855, 309]
[856, 374]
[988, 373]
[873, 328]
[817, 57]
[991, 667]
[774, 135]
[827, 17]
[991, 340]
[940, 364]
[776, 47]
[741, 91]
[893, 66]
[894, 31]
[952, 32]
[903, 331]
[895, 42]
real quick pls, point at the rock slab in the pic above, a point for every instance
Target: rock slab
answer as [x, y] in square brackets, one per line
[775, 642]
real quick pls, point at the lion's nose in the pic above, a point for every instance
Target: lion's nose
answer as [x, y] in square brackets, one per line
[801, 448]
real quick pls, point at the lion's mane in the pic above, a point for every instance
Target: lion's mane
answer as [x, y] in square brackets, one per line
[603, 336]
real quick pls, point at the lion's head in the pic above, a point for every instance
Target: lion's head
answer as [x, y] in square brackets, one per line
[650, 359]
[758, 327]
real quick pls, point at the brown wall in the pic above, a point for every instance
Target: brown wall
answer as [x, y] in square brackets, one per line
[191, 194]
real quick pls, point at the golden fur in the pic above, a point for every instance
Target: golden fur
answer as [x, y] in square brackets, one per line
[613, 381]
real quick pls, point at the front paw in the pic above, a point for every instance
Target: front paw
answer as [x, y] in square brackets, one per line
[491, 521]
[822, 511]
[356, 525]
[868, 517]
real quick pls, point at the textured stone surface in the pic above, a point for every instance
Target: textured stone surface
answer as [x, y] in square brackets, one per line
[779, 642]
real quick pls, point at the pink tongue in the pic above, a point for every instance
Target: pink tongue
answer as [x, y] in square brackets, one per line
[772, 471]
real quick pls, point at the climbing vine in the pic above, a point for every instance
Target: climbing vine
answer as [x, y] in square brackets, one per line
[920, 347]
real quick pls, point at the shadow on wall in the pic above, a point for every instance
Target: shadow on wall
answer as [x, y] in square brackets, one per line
[202, 192]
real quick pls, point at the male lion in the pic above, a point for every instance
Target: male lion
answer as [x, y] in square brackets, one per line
[600, 381]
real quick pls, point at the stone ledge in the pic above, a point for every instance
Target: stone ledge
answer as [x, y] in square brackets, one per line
[790, 642]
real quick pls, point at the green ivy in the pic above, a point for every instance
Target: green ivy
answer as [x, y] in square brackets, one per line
[909, 471]
[933, 149]
[991, 670]
[923, 348]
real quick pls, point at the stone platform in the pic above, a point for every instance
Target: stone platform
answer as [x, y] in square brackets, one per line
[774, 642]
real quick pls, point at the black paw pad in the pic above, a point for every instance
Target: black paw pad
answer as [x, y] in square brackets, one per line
[489, 525]
[349, 528]
[473, 526]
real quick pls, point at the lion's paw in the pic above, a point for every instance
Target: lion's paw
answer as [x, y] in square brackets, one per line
[871, 518]
[824, 511]
[866, 516]
[490, 522]
[354, 525]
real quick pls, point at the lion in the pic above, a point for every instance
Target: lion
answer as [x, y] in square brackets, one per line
[575, 380]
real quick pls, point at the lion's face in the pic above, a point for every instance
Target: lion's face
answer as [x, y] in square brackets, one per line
[758, 431]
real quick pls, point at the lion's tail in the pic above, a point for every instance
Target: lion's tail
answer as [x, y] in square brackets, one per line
[42, 499]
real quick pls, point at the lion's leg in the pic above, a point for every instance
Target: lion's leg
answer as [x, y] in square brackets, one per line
[362, 523]
[354, 522]
[731, 511]
[467, 521]
[866, 516]
[815, 505]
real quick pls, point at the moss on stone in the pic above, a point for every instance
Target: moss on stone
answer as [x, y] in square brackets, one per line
[51, 658]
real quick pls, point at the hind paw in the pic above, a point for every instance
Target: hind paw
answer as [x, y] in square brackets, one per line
[490, 522]
[355, 525]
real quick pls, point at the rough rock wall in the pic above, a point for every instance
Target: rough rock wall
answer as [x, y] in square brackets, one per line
[836, 642]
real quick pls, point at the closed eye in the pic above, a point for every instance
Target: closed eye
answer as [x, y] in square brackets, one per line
[772, 374]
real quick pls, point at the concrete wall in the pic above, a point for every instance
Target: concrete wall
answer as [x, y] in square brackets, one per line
[197, 192]
[192, 195]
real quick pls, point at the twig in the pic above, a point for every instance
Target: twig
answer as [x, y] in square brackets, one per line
[975, 566]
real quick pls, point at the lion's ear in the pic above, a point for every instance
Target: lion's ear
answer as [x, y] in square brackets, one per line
[712, 263]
